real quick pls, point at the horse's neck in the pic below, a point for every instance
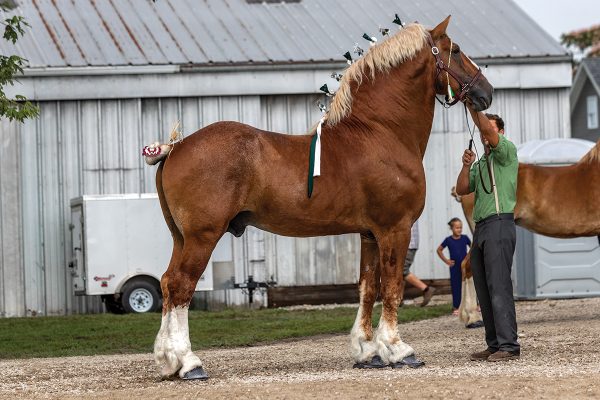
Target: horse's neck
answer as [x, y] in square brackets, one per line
[398, 104]
[588, 171]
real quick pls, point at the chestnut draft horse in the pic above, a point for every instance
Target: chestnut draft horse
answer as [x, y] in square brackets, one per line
[562, 202]
[229, 175]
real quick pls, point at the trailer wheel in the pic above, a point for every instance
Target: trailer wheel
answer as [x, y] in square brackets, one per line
[140, 296]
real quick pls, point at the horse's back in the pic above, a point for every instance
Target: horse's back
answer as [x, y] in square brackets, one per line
[228, 155]
[231, 135]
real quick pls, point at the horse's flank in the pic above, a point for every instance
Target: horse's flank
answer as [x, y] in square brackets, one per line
[560, 201]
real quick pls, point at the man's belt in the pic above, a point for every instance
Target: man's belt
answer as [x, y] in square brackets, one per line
[495, 217]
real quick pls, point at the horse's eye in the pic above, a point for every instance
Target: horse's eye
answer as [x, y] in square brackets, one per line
[456, 50]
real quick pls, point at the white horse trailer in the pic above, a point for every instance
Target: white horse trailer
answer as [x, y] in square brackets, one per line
[121, 247]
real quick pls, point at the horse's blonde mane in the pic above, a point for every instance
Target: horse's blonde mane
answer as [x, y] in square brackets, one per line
[593, 155]
[381, 58]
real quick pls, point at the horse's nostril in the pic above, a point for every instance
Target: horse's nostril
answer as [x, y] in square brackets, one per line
[485, 102]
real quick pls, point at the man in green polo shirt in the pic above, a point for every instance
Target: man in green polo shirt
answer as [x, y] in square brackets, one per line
[494, 181]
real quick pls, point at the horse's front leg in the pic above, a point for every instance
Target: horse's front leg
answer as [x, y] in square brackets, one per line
[172, 347]
[468, 303]
[391, 349]
[361, 337]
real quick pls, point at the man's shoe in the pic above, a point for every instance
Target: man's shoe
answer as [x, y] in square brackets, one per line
[504, 356]
[427, 295]
[482, 355]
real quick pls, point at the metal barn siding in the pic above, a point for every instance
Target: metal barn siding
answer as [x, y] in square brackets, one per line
[11, 272]
[92, 147]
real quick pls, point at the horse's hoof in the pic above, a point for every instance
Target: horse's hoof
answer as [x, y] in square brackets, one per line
[410, 361]
[476, 324]
[397, 365]
[196, 374]
[376, 362]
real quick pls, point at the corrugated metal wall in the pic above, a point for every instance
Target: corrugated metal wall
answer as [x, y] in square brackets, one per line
[12, 287]
[92, 147]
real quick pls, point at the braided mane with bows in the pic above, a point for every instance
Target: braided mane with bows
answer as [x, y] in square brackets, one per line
[402, 46]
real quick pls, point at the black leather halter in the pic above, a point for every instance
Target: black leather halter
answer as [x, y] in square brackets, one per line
[440, 66]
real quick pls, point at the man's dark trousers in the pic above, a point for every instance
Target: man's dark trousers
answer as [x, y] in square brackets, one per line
[491, 261]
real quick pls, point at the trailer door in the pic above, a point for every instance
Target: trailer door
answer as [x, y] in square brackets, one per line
[77, 264]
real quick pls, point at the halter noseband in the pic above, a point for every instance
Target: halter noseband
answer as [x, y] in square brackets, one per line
[440, 65]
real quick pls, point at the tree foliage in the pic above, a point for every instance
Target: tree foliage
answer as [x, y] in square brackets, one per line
[586, 40]
[18, 108]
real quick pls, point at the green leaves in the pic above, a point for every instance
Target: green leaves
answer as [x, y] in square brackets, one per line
[18, 108]
[584, 39]
[14, 27]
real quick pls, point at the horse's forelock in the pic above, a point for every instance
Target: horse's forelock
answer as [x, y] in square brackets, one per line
[402, 46]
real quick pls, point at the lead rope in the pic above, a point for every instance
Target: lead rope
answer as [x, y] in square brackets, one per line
[472, 133]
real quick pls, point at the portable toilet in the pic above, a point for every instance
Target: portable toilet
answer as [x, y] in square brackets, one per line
[548, 267]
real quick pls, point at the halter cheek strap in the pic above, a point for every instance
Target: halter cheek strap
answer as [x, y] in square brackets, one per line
[440, 65]
[450, 93]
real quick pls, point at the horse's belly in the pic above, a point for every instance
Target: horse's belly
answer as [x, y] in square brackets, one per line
[287, 224]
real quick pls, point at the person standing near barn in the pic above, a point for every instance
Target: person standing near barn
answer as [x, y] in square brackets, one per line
[494, 180]
[411, 278]
[457, 245]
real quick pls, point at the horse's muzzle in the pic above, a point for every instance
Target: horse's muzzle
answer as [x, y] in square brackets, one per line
[480, 98]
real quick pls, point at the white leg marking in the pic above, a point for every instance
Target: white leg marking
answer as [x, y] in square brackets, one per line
[188, 359]
[172, 348]
[468, 303]
[162, 354]
[390, 347]
[362, 349]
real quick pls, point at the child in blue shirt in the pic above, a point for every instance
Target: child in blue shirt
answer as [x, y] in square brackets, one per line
[457, 245]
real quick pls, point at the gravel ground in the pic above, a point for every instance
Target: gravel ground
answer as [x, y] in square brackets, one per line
[559, 359]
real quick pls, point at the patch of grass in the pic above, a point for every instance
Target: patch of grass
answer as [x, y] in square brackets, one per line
[98, 334]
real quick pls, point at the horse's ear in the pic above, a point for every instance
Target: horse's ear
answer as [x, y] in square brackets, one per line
[441, 28]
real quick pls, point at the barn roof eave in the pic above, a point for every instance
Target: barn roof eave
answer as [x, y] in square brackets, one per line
[259, 66]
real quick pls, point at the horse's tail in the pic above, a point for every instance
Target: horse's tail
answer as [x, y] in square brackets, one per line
[156, 152]
[177, 236]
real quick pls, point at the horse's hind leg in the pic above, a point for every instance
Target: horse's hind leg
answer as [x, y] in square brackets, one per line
[172, 348]
[392, 248]
[168, 366]
[361, 337]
